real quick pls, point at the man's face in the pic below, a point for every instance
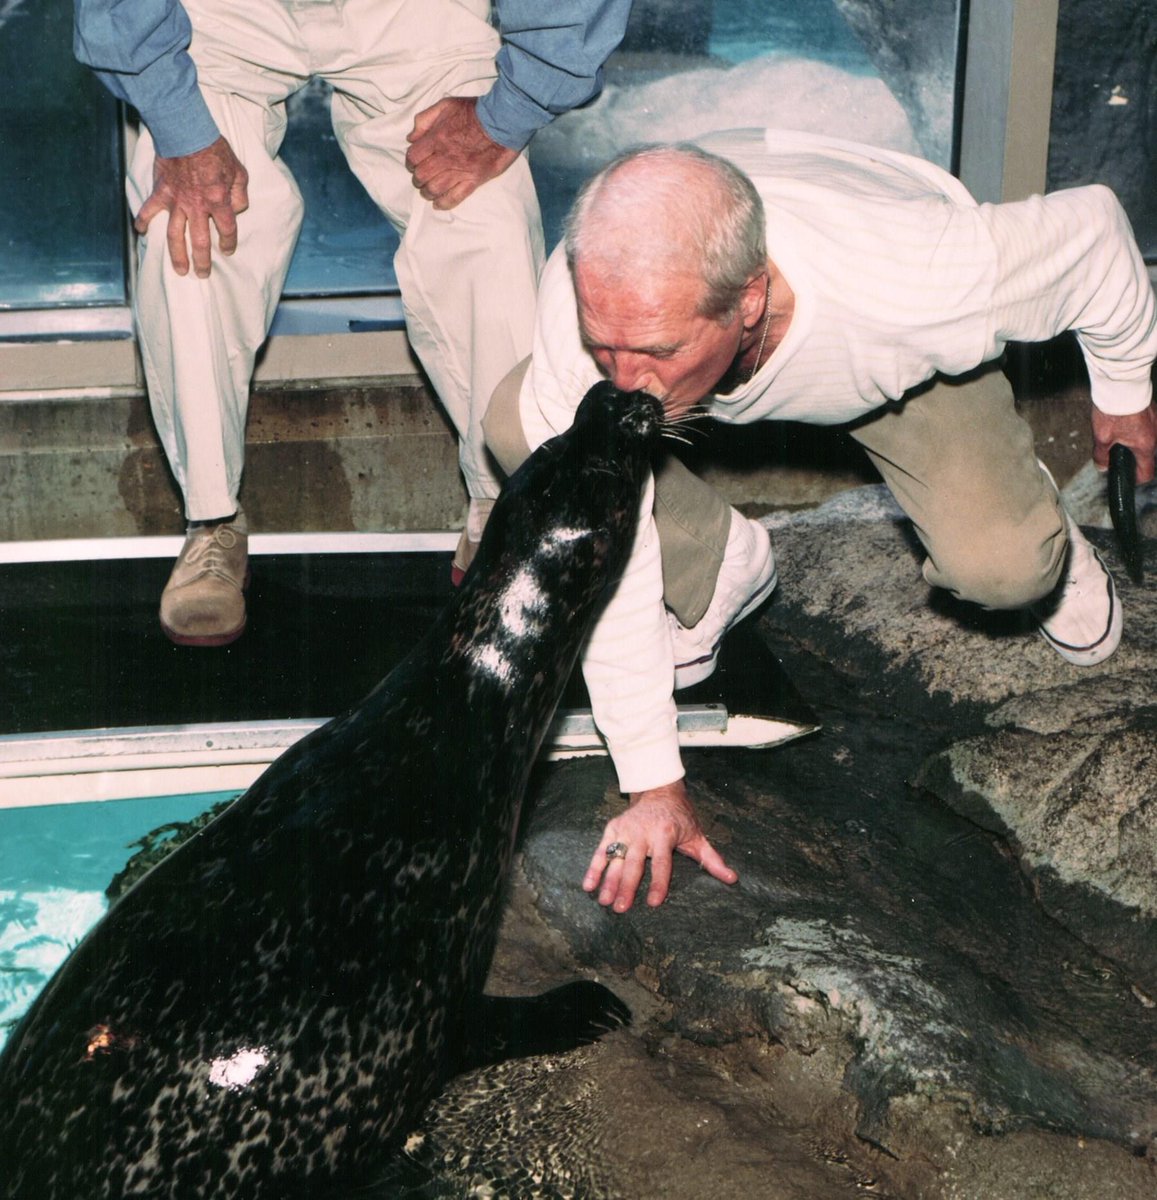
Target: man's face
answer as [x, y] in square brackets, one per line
[653, 339]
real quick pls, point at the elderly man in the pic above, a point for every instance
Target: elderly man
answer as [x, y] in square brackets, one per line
[793, 277]
[432, 108]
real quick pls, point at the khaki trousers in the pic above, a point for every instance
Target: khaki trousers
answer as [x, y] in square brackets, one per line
[468, 276]
[956, 455]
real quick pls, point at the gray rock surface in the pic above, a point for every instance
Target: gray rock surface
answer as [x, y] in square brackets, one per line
[947, 895]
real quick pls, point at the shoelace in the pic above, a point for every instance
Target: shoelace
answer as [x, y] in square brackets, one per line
[208, 554]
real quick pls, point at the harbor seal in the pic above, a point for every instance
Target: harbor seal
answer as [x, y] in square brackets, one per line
[268, 1010]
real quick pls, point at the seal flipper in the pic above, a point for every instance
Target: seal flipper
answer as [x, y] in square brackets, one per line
[503, 1027]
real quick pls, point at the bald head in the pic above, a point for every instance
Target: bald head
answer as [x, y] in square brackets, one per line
[668, 211]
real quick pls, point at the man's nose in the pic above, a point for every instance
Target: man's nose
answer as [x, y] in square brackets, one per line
[633, 373]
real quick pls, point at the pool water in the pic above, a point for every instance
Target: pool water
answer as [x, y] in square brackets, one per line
[55, 863]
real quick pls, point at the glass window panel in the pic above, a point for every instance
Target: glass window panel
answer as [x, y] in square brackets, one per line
[346, 246]
[848, 68]
[62, 223]
[834, 66]
[843, 67]
[1104, 104]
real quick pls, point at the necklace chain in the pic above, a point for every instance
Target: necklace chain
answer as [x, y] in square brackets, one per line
[766, 327]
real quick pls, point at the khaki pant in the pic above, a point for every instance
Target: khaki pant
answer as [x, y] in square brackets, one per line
[468, 276]
[956, 455]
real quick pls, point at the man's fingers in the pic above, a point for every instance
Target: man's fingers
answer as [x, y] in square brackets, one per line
[239, 192]
[661, 867]
[622, 880]
[416, 155]
[435, 182]
[455, 195]
[151, 207]
[226, 224]
[712, 862]
[424, 120]
[598, 865]
[446, 192]
[201, 246]
[175, 237]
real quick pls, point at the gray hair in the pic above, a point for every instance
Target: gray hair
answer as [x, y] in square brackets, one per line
[684, 187]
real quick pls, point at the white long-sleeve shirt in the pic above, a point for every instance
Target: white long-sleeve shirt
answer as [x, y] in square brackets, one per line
[898, 274]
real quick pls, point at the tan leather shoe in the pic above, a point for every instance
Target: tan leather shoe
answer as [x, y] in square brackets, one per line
[203, 603]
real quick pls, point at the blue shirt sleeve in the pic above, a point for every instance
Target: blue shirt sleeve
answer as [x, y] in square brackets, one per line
[139, 51]
[551, 61]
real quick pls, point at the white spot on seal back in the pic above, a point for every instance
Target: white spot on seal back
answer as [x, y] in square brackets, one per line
[239, 1069]
[518, 606]
[520, 601]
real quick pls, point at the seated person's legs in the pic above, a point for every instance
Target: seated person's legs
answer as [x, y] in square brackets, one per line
[468, 276]
[199, 339]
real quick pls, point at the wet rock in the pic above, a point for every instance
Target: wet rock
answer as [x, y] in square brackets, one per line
[852, 594]
[950, 888]
[1080, 808]
[872, 920]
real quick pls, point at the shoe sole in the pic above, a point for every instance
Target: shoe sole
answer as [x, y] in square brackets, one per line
[209, 640]
[690, 673]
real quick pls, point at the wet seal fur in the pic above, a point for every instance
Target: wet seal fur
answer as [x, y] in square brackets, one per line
[269, 1009]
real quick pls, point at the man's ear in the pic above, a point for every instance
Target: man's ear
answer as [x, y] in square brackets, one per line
[752, 298]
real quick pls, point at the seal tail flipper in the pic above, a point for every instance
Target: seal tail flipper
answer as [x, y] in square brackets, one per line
[575, 1014]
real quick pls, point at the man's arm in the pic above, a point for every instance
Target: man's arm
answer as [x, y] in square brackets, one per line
[628, 662]
[139, 51]
[1068, 261]
[551, 61]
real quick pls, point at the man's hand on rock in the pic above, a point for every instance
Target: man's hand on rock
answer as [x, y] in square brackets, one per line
[657, 823]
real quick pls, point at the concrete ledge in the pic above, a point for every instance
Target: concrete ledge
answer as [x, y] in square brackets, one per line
[381, 456]
[356, 458]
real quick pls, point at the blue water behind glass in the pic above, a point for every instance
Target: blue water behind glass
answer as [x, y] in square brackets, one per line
[62, 216]
[55, 863]
[347, 246]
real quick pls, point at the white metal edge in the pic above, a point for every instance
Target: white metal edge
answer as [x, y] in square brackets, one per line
[180, 762]
[100, 549]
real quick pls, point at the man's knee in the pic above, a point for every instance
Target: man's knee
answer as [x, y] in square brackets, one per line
[502, 424]
[1006, 568]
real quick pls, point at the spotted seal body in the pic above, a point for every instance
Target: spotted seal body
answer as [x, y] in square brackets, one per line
[270, 1008]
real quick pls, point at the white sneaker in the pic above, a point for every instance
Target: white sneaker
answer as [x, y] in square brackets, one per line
[1082, 618]
[476, 517]
[747, 577]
